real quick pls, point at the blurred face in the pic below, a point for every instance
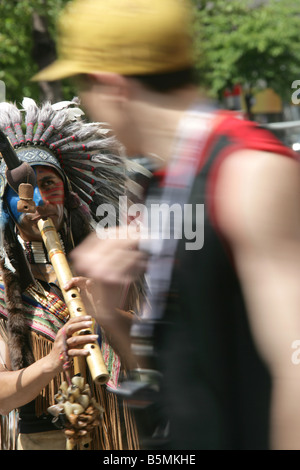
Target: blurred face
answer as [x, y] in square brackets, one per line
[105, 100]
[49, 200]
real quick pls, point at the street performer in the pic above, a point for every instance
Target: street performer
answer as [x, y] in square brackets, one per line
[76, 166]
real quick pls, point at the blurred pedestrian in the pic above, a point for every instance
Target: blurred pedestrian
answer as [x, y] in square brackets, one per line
[225, 307]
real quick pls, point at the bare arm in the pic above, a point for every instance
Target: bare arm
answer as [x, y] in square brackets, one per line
[20, 387]
[262, 226]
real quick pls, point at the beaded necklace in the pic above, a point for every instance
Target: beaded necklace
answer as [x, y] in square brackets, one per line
[36, 252]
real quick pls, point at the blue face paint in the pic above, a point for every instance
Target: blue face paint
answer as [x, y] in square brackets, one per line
[12, 199]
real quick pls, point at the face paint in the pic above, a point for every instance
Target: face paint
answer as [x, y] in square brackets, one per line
[49, 189]
[12, 199]
[48, 196]
[50, 185]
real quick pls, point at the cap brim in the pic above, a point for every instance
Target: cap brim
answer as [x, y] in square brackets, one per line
[57, 71]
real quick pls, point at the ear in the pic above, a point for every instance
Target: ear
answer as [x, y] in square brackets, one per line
[119, 84]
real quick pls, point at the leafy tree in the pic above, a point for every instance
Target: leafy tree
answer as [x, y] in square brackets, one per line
[247, 42]
[24, 26]
[236, 41]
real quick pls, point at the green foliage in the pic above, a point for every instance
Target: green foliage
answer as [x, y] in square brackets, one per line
[17, 65]
[236, 41]
[247, 42]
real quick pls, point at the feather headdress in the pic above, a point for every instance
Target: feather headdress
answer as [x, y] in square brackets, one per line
[90, 157]
[92, 164]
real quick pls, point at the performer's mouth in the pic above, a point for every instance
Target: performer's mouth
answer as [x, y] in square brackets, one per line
[38, 217]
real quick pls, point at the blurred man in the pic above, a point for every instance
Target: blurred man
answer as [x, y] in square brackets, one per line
[225, 310]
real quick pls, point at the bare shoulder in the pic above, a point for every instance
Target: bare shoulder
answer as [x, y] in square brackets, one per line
[258, 195]
[258, 211]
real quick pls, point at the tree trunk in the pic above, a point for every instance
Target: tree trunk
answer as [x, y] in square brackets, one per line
[44, 53]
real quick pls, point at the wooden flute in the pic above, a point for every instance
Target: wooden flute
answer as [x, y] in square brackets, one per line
[72, 297]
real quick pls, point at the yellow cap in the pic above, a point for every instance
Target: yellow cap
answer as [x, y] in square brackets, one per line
[128, 37]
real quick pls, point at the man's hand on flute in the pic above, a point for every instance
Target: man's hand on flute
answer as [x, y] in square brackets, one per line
[72, 345]
[21, 386]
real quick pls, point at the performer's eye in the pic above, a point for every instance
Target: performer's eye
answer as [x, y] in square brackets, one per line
[47, 184]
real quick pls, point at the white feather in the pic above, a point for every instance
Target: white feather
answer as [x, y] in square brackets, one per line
[28, 103]
[61, 105]
[5, 110]
[74, 113]
[135, 167]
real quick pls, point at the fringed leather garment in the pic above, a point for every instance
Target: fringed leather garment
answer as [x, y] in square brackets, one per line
[45, 314]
